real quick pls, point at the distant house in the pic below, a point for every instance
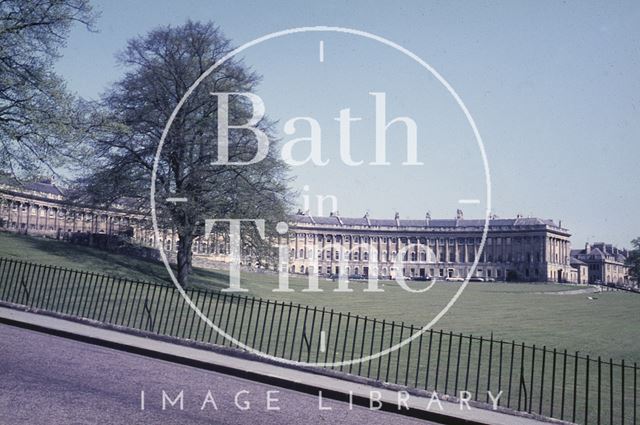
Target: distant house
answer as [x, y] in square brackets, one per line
[580, 271]
[606, 263]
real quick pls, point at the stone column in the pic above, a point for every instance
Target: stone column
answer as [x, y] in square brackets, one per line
[28, 218]
[10, 209]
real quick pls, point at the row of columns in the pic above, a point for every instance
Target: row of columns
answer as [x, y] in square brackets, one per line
[31, 216]
[438, 249]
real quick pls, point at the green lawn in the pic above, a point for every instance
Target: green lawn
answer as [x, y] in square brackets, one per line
[533, 313]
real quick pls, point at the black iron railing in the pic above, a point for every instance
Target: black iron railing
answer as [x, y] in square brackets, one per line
[535, 379]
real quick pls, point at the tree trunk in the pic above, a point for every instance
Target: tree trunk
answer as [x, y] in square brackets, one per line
[185, 254]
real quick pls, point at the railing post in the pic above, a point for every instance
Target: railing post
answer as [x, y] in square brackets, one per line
[455, 388]
[373, 337]
[575, 386]
[544, 357]
[364, 333]
[521, 380]
[586, 394]
[533, 368]
[406, 377]
[304, 337]
[513, 349]
[490, 363]
[599, 387]
[335, 344]
[418, 361]
[428, 368]
[611, 392]
[622, 388]
[195, 298]
[295, 329]
[222, 311]
[553, 381]
[353, 342]
[235, 320]
[320, 336]
[466, 378]
[346, 336]
[286, 332]
[326, 351]
[277, 332]
[381, 346]
[398, 353]
[393, 326]
[478, 368]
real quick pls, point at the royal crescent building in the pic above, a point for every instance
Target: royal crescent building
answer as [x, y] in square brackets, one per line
[526, 249]
[518, 249]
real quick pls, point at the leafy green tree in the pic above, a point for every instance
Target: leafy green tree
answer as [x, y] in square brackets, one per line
[160, 68]
[633, 260]
[39, 120]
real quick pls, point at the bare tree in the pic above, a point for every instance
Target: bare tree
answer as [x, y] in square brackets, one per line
[160, 68]
[39, 120]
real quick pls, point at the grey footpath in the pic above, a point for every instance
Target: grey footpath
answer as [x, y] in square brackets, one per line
[337, 386]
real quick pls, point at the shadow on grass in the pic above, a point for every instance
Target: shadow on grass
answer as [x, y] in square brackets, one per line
[29, 248]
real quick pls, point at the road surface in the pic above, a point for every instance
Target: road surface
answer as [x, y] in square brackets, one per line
[46, 379]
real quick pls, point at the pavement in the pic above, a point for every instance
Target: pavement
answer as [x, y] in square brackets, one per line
[47, 379]
[81, 378]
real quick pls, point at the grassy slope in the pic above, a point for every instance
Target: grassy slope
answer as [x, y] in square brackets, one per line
[533, 313]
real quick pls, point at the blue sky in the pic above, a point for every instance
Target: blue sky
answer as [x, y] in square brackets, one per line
[553, 87]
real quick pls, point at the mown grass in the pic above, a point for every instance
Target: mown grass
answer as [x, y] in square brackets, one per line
[534, 313]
